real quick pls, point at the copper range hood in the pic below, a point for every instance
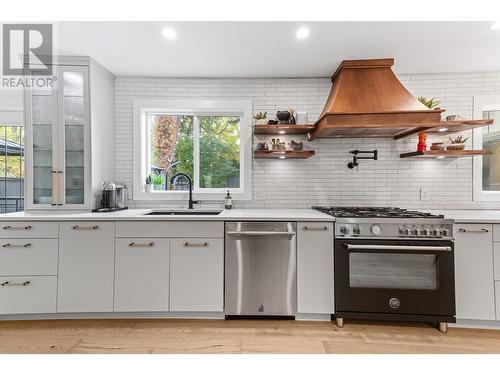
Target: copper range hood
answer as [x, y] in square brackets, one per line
[367, 100]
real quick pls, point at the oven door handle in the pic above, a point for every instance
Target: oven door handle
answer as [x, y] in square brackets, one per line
[398, 247]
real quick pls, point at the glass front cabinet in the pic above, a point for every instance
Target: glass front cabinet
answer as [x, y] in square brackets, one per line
[58, 137]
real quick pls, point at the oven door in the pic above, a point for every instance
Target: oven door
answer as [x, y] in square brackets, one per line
[394, 276]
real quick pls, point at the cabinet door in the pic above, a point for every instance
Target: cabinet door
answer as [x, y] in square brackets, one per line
[315, 268]
[141, 274]
[40, 118]
[196, 274]
[475, 295]
[74, 137]
[86, 267]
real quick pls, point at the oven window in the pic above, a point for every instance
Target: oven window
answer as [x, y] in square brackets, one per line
[393, 271]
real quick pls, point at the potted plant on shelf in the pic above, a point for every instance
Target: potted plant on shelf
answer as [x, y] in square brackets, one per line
[457, 143]
[147, 185]
[158, 181]
[260, 118]
[431, 103]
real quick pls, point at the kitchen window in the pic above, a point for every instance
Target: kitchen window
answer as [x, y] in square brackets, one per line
[210, 141]
[486, 169]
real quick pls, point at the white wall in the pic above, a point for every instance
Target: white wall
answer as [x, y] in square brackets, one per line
[324, 179]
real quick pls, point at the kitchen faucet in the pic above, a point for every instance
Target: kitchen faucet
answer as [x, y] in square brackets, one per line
[190, 182]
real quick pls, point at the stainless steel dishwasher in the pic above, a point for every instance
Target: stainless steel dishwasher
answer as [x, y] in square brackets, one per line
[260, 269]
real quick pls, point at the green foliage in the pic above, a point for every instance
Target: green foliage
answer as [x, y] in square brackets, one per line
[11, 166]
[260, 116]
[157, 179]
[429, 103]
[219, 148]
[458, 139]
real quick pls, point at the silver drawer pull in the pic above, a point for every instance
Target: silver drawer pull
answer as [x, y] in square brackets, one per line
[188, 244]
[319, 229]
[462, 230]
[11, 245]
[148, 244]
[9, 227]
[398, 247]
[7, 283]
[77, 227]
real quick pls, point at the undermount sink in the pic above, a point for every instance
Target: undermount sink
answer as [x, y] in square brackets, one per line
[183, 213]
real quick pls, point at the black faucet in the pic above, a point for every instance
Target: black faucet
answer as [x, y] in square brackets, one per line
[191, 201]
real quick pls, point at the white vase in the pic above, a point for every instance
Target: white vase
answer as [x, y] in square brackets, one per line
[147, 188]
[262, 121]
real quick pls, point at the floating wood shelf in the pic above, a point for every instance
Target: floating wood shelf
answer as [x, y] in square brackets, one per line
[446, 127]
[304, 154]
[282, 129]
[444, 154]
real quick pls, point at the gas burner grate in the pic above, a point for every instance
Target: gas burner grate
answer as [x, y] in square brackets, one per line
[375, 212]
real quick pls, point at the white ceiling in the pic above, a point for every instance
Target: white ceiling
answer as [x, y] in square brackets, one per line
[270, 49]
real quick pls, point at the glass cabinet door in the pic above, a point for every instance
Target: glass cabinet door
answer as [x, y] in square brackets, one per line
[75, 121]
[43, 118]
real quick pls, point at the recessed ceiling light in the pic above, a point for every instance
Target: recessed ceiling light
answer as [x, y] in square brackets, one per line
[281, 132]
[169, 33]
[495, 25]
[441, 157]
[302, 33]
[282, 157]
[442, 129]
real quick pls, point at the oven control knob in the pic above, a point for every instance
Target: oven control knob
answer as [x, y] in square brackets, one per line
[356, 231]
[345, 230]
[406, 231]
[376, 229]
[415, 232]
[444, 232]
[434, 232]
[424, 232]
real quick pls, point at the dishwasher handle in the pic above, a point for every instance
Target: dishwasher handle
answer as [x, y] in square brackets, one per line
[261, 233]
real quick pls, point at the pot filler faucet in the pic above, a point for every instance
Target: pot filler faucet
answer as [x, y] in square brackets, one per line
[190, 182]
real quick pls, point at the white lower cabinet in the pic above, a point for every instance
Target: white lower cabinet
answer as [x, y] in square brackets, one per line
[86, 267]
[197, 274]
[28, 294]
[28, 256]
[474, 279]
[141, 274]
[315, 268]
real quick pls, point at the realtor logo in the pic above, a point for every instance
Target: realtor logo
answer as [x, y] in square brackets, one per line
[27, 49]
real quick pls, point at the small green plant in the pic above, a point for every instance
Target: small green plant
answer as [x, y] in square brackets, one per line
[148, 180]
[429, 103]
[260, 116]
[459, 139]
[157, 179]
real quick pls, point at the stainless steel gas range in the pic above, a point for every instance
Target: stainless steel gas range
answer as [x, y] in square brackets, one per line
[393, 264]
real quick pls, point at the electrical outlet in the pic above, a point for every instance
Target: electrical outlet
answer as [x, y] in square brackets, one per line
[424, 193]
[259, 194]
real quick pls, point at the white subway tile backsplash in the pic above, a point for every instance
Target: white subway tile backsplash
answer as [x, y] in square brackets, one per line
[324, 179]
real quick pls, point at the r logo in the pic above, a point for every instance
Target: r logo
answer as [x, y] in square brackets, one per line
[27, 49]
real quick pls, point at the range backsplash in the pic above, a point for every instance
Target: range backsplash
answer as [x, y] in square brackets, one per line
[323, 179]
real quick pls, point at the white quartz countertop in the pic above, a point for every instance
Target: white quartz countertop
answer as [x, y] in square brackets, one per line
[471, 216]
[139, 214]
[253, 214]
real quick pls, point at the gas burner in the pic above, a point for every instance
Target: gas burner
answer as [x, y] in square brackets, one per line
[375, 212]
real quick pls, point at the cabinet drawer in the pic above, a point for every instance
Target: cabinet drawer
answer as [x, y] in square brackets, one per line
[25, 229]
[28, 257]
[496, 260]
[497, 299]
[197, 274]
[496, 232]
[28, 294]
[141, 274]
[170, 229]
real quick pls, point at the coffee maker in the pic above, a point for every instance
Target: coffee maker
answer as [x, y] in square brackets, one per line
[113, 197]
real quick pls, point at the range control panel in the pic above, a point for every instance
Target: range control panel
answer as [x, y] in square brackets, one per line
[394, 230]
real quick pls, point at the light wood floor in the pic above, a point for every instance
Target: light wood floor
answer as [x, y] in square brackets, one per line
[237, 336]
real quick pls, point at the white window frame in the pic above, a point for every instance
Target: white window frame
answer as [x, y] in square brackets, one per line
[481, 104]
[144, 106]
